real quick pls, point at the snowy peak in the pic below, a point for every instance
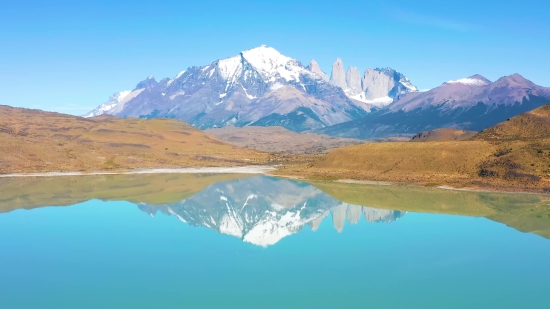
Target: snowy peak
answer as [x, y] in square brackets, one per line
[474, 80]
[113, 101]
[314, 67]
[147, 83]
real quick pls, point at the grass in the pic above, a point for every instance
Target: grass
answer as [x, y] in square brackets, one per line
[514, 156]
[37, 141]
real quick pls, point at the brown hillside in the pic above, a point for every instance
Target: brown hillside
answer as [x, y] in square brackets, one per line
[531, 125]
[443, 134]
[33, 140]
[280, 140]
[514, 155]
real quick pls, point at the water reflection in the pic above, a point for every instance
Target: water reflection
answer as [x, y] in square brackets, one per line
[263, 210]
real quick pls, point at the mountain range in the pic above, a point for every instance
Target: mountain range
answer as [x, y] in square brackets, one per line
[472, 103]
[260, 87]
[263, 210]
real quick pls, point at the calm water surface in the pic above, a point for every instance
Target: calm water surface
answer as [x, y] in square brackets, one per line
[232, 241]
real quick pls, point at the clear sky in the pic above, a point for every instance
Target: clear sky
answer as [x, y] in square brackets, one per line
[70, 56]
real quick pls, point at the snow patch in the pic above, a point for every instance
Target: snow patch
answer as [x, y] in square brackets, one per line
[469, 82]
[378, 102]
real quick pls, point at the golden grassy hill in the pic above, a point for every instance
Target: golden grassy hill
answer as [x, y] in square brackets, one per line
[280, 140]
[33, 192]
[33, 140]
[519, 162]
[528, 126]
[443, 134]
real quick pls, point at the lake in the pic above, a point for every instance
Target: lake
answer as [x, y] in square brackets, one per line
[249, 241]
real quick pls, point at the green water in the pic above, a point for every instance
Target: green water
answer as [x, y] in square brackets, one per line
[260, 242]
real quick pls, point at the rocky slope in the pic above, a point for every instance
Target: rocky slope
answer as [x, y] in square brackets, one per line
[263, 210]
[472, 103]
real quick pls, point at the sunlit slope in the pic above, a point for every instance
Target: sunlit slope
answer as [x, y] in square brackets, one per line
[514, 155]
[524, 212]
[33, 192]
[528, 126]
[32, 140]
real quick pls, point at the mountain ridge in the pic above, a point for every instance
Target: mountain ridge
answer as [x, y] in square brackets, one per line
[472, 104]
[238, 91]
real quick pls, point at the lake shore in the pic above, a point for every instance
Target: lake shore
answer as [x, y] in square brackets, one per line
[259, 169]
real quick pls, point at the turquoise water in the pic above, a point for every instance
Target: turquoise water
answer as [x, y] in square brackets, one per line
[260, 242]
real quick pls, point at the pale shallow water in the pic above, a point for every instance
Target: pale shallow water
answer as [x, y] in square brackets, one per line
[262, 242]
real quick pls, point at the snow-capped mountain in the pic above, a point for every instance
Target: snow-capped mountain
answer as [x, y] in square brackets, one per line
[377, 88]
[259, 86]
[115, 100]
[263, 210]
[471, 103]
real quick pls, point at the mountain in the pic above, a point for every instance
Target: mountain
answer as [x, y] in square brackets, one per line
[263, 210]
[38, 141]
[259, 86]
[377, 88]
[472, 103]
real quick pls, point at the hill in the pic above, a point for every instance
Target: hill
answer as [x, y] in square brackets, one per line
[514, 155]
[444, 134]
[279, 139]
[534, 124]
[33, 140]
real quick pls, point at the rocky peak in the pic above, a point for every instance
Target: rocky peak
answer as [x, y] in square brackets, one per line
[314, 67]
[148, 82]
[338, 76]
[353, 81]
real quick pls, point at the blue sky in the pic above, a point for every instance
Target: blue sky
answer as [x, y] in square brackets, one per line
[70, 56]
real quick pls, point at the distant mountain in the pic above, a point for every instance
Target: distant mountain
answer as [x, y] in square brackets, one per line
[377, 87]
[472, 103]
[258, 87]
[263, 210]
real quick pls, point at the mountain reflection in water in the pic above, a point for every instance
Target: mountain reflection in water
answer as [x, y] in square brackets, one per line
[263, 210]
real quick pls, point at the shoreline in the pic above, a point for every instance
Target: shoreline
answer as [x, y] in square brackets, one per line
[259, 169]
[496, 189]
